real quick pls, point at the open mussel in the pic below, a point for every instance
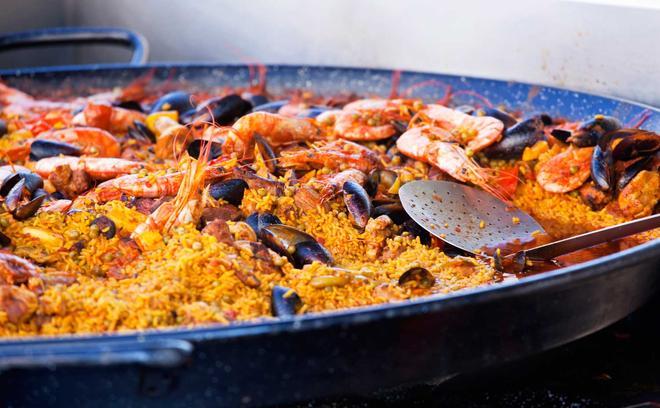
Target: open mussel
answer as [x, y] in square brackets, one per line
[516, 138]
[30, 208]
[221, 111]
[284, 302]
[602, 159]
[415, 230]
[357, 202]
[105, 226]
[15, 195]
[140, 131]
[178, 101]
[507, 119]
[591, 131]
[31, 182]
[231, 191]
[637, 144]
[41, 149]
[300, 247]
[258, 221]
[393, 210]
[380, 181]
[195, 148]
[267, 152]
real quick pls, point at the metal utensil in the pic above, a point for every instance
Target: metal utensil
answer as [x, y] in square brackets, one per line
[477, 222]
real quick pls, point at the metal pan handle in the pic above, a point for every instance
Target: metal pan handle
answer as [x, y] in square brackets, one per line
[82, 35]
[51, 354]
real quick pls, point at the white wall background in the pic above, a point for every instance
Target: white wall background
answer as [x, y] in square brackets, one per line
[605, 46]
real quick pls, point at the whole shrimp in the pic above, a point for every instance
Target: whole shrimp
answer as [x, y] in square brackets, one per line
[474, 132]
[98, 168]
[105, 116]
[337, 155]
[435, 146]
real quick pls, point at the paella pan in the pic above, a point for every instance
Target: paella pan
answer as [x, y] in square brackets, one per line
[448, 314]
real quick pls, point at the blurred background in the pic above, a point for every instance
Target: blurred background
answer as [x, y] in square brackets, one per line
[602, 46]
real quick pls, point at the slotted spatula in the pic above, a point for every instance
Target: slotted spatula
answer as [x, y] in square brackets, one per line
[477, 222]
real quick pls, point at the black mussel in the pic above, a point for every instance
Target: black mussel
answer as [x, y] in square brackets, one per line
[561, 134]
[140, 131]
[30, 208]
[4, 240]
[590, 132]
[255, 99]
[300, 247]
[267, 152]
[32, 182]
[504, 117]
[41, 148]
[179, 101]
[271, 107]
[221, 111]
[284, 302]
[195, 148]
[642, 143]
[3, 128]
[231, 191]
[417, 278]
[602, 162]
[14, 196]
[130, 105]
[393, 210]
[39, 192]
[415, 230]
[257, 221]
[357, 202]
[631, 169]
[380, 181]
[106, 226]
[516, 139]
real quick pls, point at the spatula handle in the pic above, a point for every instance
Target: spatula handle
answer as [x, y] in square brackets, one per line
[568, 245]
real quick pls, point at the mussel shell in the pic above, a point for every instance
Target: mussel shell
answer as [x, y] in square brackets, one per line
[591, 131]
[130, 105]
[3, 127]
[257, 221]
[28, 209]
[357, 202]
[308, 252]
[4, 240]
[417, 278]
[222, 111]
[267, 152]
[284, 302]
[271, 107]
[179, 101]
[231, 191]
[300, 247]
[380, 180]
[31, 180]
[602, 162]
[140, 131]
[195, 147]
[15, 195]
[504, 117]
[642, 143]
[107, 227]
[631, 170]
[516, 139]
[393, 210]
[561, 134]
[41, 149]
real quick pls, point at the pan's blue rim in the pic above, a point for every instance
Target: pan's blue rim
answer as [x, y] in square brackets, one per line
[360, 315]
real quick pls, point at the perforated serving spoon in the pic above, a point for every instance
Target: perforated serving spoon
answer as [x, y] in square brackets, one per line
[479, 223]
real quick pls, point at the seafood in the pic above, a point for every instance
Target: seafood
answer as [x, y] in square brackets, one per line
[107, 117]
[99, 168]
[336, 155]
[474, 132]
[566, 171]
[92, 141]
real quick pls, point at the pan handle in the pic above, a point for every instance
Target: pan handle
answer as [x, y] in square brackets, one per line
[161, 353]
[76, 35]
